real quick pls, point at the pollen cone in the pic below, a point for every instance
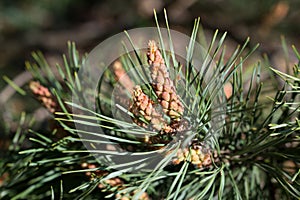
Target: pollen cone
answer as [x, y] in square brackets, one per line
[199, 157]
[143, 108]
[162, 84]
[44, 96]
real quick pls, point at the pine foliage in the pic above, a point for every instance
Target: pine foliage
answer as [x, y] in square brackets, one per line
[256, 155]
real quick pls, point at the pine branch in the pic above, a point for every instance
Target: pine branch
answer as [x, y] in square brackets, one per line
[255, 155]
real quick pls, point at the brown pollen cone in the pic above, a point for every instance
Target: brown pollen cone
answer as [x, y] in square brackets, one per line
[44, 96]
[162, 84]
[124, 86]
[143, 106]
[122, 77]
[199, 157]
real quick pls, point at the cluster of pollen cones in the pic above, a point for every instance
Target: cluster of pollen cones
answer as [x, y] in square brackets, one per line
[150, 114]
[169, 103]
[197, 155]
